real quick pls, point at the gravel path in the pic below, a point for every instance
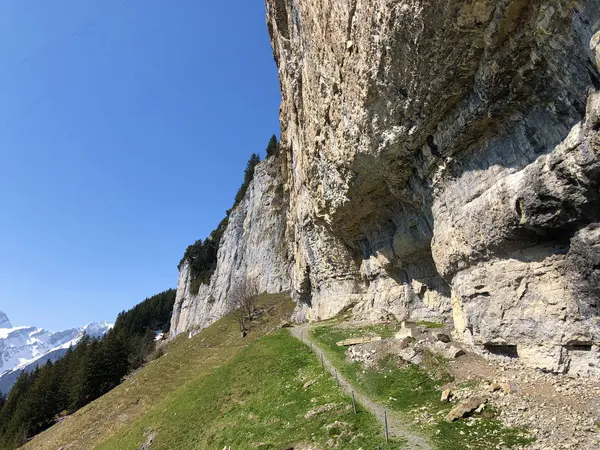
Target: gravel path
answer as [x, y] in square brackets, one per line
[396, 426]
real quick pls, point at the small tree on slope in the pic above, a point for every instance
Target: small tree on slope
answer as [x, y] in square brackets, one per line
[242, 300]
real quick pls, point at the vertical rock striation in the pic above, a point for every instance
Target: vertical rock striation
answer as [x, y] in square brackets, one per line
[443, 159]
[253, 249]
[439, 158]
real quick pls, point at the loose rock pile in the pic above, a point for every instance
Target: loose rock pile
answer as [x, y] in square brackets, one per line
[559, 411]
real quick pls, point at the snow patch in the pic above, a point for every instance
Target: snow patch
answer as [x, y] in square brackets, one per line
[23, 346]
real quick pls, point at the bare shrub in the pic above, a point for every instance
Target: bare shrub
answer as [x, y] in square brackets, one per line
[242, 300]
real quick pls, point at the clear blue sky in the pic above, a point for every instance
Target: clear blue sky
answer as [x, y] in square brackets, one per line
[125, 127]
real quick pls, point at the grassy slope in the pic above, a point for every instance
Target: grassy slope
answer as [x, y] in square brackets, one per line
[256, 401]
[184, 360]
[410, 389]
[216, 390]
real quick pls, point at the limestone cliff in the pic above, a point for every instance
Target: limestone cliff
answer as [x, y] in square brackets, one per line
[253, 249]
[439, 159]
[443, 157]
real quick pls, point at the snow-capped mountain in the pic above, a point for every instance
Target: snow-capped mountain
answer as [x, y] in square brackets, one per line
[4, 322]
[26, 347]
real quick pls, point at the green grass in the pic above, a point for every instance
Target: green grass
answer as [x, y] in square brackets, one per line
[184, 360]
[386, 331]
[257, 401]
[383, 330]
[415, 392]
[218, 389]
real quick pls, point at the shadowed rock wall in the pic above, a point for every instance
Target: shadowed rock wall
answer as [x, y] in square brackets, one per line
[443, 159]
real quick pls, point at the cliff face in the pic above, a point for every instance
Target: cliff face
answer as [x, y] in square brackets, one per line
[443, 159]
[439, 159]
[253, 250]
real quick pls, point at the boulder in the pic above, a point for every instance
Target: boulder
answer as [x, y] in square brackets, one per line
[465, 408]
[406, 332]
[446, 395]
[449, 351]
[309, 384]
[442, 337]
[411, 355]
[454, 352]
[504, 387]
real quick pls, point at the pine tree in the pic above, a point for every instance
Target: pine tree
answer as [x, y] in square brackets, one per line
[76, 377]
[272, 147]
[86, 372]
[248, 177]
[42, 400]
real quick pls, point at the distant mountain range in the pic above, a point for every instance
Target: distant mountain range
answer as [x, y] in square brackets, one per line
[25, 348]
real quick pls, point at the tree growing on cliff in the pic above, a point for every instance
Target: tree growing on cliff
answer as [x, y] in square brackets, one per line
[201, 256]
[272, 147]
[248, 177]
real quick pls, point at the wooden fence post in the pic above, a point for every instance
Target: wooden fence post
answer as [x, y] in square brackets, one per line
[386, 426]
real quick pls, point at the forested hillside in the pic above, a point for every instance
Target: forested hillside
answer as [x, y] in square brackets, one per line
[86, 372]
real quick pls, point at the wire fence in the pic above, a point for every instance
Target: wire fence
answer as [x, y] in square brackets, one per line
[337, 377]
